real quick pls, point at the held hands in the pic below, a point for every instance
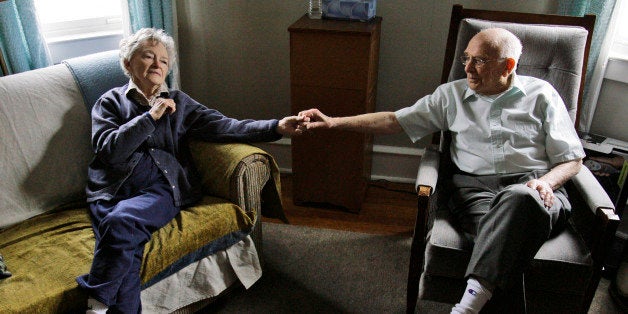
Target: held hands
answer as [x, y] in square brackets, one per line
[292, 125]
[162, 106]
[314, 119]
[304, 121]
[545, 191]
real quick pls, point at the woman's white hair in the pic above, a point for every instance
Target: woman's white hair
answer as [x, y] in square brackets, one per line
[130, 44]
[506, 43]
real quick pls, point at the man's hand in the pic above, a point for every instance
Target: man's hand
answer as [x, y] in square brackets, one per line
[292, 125]
[545, 191]
[161, 106]
[555, 178]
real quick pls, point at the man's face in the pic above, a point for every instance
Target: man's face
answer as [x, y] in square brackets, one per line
[487, 74]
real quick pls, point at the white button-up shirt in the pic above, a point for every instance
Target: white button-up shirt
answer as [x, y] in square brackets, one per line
[525, 128]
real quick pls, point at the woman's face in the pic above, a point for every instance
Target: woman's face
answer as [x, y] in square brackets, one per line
[149, 67]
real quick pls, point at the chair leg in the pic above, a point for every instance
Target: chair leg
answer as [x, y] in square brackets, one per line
[414, 273]
[417, 252]
[524, 300]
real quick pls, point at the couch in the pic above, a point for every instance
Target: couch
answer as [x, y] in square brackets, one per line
[46, 237]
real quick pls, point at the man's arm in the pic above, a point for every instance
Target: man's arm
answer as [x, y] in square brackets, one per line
[555, 178]
[375, 123]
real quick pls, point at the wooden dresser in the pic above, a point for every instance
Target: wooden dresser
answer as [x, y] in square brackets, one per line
[333, 67]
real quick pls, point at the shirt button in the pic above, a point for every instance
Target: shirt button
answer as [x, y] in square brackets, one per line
[165, 171]
[173, 187]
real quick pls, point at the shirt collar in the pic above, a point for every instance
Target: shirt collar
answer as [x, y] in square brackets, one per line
[515, 86]
[136, 93]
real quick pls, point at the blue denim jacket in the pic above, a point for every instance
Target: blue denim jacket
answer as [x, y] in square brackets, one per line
[123, 131]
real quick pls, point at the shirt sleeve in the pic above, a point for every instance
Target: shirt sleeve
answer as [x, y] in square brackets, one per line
[561, 142]
[428, 115]
[210, 125]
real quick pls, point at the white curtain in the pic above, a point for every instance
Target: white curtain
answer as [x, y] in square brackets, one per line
[595, 84]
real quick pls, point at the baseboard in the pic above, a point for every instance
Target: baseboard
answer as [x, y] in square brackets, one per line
[390, 163]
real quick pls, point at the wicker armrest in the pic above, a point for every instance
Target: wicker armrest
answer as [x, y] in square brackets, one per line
[236, 172]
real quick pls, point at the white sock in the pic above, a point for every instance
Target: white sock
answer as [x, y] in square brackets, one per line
[473, 299]
[95, 307]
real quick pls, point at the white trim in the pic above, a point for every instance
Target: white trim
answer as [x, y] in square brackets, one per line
[80, 29]
[396, 150]
[616, 70]
[390, 163]
[126, 18]
[175, 29]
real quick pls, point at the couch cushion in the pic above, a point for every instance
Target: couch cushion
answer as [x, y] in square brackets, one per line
[448, 252]
[46, 253]
[45, 143]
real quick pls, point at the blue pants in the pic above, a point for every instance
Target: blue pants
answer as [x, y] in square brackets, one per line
[122, 226]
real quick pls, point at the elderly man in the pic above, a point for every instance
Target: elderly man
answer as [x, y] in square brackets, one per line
[513, 145]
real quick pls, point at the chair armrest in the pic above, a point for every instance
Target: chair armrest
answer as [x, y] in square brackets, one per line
[236, 172]
[427, 176]
[425, 187]
[597, 222]
[427, 179]
[593, 193]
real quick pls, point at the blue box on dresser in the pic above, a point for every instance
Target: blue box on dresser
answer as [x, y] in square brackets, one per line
[362, 10]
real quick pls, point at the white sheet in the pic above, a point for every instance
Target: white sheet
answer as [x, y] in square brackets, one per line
[204, 279]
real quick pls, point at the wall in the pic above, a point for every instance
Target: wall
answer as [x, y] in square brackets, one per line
[235, 58]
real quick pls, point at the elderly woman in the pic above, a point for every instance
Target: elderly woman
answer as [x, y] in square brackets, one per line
[141, 175]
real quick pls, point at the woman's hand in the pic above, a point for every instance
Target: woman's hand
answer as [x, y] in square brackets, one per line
[162, 106]
[292, 125]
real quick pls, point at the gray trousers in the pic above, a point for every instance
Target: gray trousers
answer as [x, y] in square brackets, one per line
[507, 220]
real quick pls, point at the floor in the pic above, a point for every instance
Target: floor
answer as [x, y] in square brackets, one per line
[389, 208]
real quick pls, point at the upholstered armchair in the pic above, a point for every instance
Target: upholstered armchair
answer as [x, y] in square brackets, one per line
[565, 272]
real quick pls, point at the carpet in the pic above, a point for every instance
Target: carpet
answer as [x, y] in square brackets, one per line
[309, 270]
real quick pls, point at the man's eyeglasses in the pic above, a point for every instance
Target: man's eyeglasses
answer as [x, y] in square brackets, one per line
[478, 62]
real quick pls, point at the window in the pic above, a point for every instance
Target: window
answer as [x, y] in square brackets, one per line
[619, 48]
[75, 28]
[65, 19]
